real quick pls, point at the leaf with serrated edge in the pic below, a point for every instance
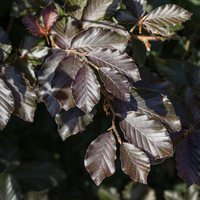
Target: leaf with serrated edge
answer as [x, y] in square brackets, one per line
[125, 17]
[6, 104]
[93, 38]
[9, 188]
[64, 75]
[134, 162]
[167, 15]
[146, 133]
[45, 77]
[115, 59]
[136, 7]
[33, 25]
[188, 160]
[86, 89]
[100, 157]
[72, 121]
[49, 15]
[115, 83]
[24, 95]
[96, 10]
[75, 8]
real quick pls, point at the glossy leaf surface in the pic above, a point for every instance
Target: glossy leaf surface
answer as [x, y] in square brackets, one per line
[100, 157]
[134, 162]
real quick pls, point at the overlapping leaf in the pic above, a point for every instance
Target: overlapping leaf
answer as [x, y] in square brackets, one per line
[100, 157]
[136, 7]
[134, 162]
[64, 75]
[75, 7]
[115, 83]
[38, 176]
[93, 38]
[5, 47]
[45, 77]
[167, 15]
[6, 104]
[24, 95]
[86, 89]
[188, 160]
[9, 188]
[146, 133]
[72, 121]
[125, 17]
[96, 10]
[115, 59]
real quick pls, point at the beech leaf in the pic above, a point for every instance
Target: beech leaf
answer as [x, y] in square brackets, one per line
[167, 15]
[115, 59]
[125, 17]
[188, 160]
[136, 7]
[96, 10]
[49, 15]
[146, 133]
[72, 121]
[93, 38]
[64, 75]
[6, 104]
[100, 157]
[115, 83]
[86, 89]
[33, 25]
[134, 162]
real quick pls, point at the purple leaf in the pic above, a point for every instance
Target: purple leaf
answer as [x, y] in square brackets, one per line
[100, 157]
[115, 83]
[117, 60]
[134, 162]
[125, 17]
[146, 133]
[86, 89]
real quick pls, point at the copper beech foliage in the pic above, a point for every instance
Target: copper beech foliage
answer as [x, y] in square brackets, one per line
[85, 60]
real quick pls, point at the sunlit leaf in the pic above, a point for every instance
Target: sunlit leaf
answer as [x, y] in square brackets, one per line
[93, 38]
[188, 160]
[100, 157]
[96, 10]
[172, 195]
[146, 133]
[86, 89]
[38, 176]
[37, 196]
[73, 121]
[108, 193]
[49, 15]
[9, 188]
[134, 162]
[136, 7]
[115, 59]
[115, 83]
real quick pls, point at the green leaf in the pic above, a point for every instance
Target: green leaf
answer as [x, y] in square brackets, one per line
[93, 38]
[100, 157]
[86, 89]
[36, 196]
[42, 3]
[108, 193]
[73, 121]
[22, 7]
[75, 7]
[134, 162]
[5, 47]
[96, 10]
[9, 188]
[38, 176]
[172, 195]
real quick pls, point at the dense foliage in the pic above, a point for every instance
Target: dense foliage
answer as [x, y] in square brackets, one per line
[87, 60]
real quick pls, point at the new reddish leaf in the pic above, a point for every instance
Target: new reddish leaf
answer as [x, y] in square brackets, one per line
[33, 25]
[134, 162]
[115, 83]
[188, 160]
[49, 15]
[117, 60]
[86, 89]
[146, 133]
[100, 157]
